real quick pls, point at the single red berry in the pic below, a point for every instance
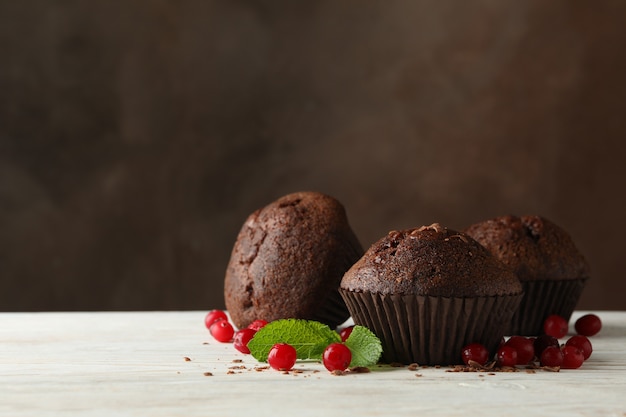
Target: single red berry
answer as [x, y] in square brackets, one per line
[282, 357]
[506, 356]
[582, 343]
[222, 331]
[524, 348]
[475, 352]
[241, 339]
[555, 326]
[542, 342]
[588, 325]
[337, 357]
[257, 324]
[345, 333]
[213, 316]
[573, 357]
[551, 356]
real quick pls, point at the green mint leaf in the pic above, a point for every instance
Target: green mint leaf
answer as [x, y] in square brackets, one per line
[308, 337]
[365, 347]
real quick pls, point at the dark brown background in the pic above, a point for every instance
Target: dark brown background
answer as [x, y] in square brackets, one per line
[136, 136]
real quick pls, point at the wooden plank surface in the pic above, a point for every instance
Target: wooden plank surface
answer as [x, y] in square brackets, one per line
[155, 364]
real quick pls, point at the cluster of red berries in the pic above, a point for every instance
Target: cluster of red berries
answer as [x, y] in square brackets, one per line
[223, 331]
[282, 356]
[520, 350]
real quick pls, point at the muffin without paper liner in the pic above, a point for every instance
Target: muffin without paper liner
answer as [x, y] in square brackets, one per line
[288, 260]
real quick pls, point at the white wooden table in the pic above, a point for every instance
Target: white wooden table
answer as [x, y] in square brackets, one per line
[156, 364]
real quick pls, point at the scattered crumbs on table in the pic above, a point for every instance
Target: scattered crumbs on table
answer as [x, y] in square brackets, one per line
[359, 370]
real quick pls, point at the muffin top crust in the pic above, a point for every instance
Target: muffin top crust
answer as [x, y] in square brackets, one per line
[532, 246]
[430, 260]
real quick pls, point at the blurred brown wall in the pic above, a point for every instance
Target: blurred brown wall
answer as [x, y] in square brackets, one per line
[136, 136]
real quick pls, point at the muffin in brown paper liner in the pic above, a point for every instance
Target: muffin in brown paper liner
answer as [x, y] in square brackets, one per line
[552, 270]
[431, 330]
[427, 292]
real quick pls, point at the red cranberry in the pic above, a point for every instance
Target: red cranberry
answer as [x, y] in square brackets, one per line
[337, 357]
[551, 356]
[542, 342]
[555, 326]
[257, 324]
[506, 356]
[475, 352]
[213, 316]
[282, 357]
[222, 331]
[345, 333]
[524, 347]
[573, 357]
[588, 325]
[582, 343]
[241, 339]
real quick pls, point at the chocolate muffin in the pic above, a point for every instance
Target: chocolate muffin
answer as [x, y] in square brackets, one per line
[550, 267]
[427, 292]
[289, 259]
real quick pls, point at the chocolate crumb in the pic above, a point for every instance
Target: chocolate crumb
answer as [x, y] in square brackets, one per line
[413, 367]
[360, 370]
[418, 375]
[187, 358]
[237, 360]
[237, 367]
[207, 374]
[491, 373]
[337, 372]
[230, 372]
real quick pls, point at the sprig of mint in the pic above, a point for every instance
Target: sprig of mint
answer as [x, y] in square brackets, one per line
[365, 347]
[310, 338]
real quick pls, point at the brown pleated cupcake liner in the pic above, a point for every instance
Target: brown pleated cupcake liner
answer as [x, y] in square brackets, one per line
[541, 299]
[431, 330]
[333, 312]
